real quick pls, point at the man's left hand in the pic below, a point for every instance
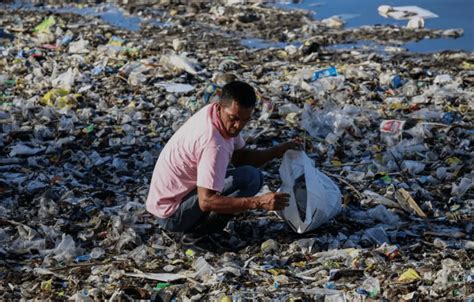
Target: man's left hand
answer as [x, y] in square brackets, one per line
[294, 144]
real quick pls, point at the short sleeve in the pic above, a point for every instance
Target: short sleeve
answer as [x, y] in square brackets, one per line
[212, 168]
[239, 142]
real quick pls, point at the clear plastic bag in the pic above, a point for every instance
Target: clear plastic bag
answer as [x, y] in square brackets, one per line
[322, 200]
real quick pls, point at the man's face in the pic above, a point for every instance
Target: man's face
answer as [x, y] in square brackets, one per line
[234, 117]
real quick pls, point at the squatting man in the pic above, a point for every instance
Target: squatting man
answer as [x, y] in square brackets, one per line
[192, 189]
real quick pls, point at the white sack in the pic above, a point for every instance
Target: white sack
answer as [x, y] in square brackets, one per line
[323, 197]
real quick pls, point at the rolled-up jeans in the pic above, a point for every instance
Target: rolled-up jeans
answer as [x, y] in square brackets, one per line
[243, 181]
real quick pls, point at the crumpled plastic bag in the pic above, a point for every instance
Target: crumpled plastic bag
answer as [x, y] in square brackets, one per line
[79, 47]
[179, 63]
[329, 121]
[65, 80]
[319, 200]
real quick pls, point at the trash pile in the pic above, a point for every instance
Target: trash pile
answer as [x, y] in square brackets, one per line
[85, 108]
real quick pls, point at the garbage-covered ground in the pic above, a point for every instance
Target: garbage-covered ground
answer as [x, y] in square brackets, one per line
[87, 106]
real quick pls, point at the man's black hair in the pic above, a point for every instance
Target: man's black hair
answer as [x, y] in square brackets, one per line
[240, 92]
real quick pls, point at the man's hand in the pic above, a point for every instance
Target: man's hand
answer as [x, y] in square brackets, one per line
[294, 144]
[273, 201]
[260, 157]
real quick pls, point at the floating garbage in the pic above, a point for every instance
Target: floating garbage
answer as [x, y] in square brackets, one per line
[405, 12]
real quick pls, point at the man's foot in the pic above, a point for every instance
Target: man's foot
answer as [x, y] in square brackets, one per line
[191, 238]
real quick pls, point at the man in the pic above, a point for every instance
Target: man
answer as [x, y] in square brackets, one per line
[191, 190]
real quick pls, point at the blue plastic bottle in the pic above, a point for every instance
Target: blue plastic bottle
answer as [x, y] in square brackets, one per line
[324, 73]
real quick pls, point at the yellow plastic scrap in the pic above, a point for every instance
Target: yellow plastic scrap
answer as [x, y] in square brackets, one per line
[452, 161]
[152, 132]
[131, 52]
[332, 264]
[397, 106]
[225, 299]
[131, 106]
[299, 264]
[69, 101]
[463, 108]
[292, 118]
[118, 129]
[408, 276]
[47, 285]
[50, 96]
[276, 271]
[467, 65]
[281, 54]
[378, 157]
[375, 148]
[59, 98]
[45, 25]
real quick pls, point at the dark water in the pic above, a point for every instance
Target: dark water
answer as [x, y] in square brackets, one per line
[452, 14]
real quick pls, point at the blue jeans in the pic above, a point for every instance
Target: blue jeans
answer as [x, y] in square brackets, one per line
[243, 181]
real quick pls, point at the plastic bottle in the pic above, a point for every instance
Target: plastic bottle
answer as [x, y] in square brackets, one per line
[83, 258]
[211, 91]
[6, 81]
[324, 73]
[372, 286]
[377, 235]
[413, 167]
[391, 131]
[396, 82]
[3, 78]
[97, 252]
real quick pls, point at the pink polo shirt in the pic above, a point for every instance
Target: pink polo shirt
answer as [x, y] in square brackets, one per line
[196, 155]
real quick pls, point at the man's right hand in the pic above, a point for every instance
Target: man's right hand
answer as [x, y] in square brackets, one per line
[273, 201]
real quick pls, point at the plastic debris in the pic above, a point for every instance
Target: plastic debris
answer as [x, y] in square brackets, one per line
[91, 92]
[328, 72]
[371, 286]
[45, 25]
[408, 276]
[408, 203]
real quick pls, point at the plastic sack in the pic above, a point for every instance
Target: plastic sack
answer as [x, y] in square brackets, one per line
[314, 200]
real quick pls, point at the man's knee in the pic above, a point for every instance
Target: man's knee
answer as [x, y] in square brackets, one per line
[253, 179]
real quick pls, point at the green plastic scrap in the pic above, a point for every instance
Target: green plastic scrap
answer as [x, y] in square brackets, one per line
[190, 253]
[89, 128]
[10, 82]
[45, 25]
[386, 179]
[161, 285]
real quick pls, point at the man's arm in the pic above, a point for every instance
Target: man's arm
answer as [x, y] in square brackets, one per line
[257, 158]
[210, 200]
